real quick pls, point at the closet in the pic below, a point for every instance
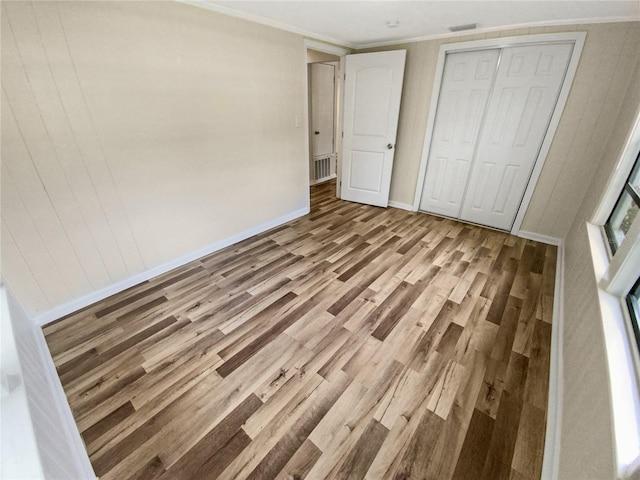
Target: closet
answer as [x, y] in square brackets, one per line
[494, 111]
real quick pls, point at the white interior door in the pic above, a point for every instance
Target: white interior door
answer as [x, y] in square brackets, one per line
[524, 97]
[466, 84]
[322, 108]
[373, 87]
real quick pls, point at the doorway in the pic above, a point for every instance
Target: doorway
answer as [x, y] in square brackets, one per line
[322, 70]
[328, 142]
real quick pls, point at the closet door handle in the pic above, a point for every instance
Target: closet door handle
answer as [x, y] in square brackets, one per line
[389, 146]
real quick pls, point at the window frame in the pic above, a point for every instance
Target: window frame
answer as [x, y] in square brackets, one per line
[619, 276]
[630, 190]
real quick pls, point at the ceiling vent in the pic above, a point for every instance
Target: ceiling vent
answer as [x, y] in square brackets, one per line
[467, 26]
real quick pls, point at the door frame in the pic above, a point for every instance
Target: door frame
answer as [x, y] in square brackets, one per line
[578, 38]
[334, 117]
[340, 52]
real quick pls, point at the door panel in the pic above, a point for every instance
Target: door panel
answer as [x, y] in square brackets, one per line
[466, 84]
[366, 171]
[373, 87]
[524, 97]
[370, 117]
[322, 108]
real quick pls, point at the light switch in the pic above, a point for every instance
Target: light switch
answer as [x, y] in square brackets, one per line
[298, 121]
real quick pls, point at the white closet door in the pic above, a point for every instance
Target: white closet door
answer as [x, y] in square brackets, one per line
[466, 83]
[524, 97]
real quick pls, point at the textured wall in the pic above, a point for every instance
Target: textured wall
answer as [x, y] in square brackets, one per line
[586, 448]
[39, 439]
[610, 55]
[136, 132]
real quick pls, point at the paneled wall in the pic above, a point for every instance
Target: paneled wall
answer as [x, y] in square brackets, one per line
[610, 55]
[39, 438]
[586, 449]
[134, 133]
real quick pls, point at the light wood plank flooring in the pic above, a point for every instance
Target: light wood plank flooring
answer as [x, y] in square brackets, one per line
[355, 342]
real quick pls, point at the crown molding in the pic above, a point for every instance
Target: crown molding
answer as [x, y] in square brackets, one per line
[579, 21]
[211, 6]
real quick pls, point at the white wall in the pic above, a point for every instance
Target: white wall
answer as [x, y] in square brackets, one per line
[39, 437]
[134, 133]
[610, 55]
[586, 441]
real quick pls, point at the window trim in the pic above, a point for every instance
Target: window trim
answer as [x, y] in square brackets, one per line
[620, 175]
[629, 189]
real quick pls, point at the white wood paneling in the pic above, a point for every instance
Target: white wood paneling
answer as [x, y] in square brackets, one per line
[39, 436]
[26, 235]
[121, 154]
[13, 260]
[609, 56]
[587, 448]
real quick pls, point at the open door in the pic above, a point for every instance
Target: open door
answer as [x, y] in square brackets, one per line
[322, 106]
[373, 87]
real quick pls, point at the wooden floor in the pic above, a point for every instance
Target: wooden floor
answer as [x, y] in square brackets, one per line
[355, 342]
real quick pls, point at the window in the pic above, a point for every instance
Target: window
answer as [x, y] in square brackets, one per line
[622, 230]
[625, 210]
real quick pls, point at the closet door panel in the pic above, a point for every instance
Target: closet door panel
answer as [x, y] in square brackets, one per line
[524, 97]
[466, 83]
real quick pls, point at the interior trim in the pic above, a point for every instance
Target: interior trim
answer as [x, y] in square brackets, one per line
[538, 237]
[55, 313]
[578, 21]
[551, 456]
[207, 5]
[578, 39]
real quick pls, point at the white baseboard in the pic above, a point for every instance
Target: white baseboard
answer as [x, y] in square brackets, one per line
[540, 238]
[82, 302]
[322, 180]
[551, 458]
[401, 206]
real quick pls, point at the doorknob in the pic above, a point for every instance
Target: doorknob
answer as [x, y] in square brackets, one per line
[317, 133]
[389, 146]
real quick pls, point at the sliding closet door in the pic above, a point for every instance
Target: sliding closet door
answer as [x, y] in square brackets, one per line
[466, 83]
[524, 97]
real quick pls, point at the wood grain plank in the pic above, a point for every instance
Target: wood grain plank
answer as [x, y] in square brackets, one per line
[301, 463]
[527, 455]
[475, 448]
[297, 434]
[362, 454]
[208, 455]
[354, 342]
[503, 439]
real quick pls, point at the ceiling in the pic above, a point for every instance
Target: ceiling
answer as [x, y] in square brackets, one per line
[358, 24]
